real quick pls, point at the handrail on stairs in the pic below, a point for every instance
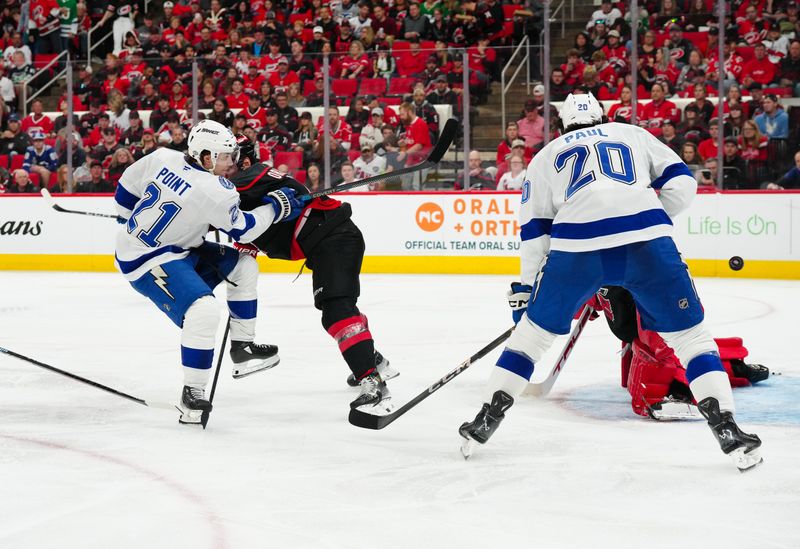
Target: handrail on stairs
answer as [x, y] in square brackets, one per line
[90, 46]
[504, 87]
[28, 100]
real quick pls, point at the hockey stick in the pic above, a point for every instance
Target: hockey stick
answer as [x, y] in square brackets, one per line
[445, 140]
[543, 388]
[53, 204]
[375, 422]
[206, 413]
[143, 402]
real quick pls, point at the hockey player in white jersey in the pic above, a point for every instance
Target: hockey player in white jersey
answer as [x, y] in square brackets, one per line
[590, 216]
[169, 201]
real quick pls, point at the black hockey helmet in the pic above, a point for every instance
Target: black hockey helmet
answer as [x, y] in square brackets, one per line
[247, 149]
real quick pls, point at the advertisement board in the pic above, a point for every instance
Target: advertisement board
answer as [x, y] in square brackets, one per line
[432, 232]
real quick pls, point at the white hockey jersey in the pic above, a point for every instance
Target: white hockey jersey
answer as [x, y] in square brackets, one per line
[595, 188]
[169, 205]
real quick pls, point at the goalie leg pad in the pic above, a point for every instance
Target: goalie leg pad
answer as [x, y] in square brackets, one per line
[649, 379]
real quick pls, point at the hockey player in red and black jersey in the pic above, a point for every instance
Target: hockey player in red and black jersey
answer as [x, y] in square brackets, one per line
[333, 248]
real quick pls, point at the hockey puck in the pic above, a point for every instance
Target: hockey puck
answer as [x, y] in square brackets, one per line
[736, 263]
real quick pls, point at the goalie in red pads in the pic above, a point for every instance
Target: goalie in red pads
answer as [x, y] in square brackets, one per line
[333, 248]
[650, 370]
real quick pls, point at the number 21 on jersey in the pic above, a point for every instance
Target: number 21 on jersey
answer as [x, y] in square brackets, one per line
[168, 212]
[615, 160]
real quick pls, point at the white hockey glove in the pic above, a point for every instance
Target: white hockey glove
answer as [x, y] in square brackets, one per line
[286, 204]
[518, 297]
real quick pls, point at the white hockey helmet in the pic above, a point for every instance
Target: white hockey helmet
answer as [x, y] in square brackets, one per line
[214, 138]
[581, 109]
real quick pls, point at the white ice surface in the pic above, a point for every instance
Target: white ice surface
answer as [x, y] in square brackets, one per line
[280, 467]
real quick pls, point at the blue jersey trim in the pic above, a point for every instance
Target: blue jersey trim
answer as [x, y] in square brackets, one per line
[129, 266]
[672, 171]
[702, 364]
[243, 310]
[124, 198]
[199, 359]
[611, 226]
[249, 223]
[536, 227]
[516, 363]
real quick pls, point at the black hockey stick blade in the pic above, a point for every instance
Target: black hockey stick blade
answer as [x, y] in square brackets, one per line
[137, 400]
[53, 204]
[445, 140]
[366, 420]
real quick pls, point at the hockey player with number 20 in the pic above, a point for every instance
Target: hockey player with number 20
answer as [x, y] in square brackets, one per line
[169, 200]
[591, 216]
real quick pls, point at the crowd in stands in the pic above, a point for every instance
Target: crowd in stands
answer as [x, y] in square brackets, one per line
[259, 64]
[678, 58]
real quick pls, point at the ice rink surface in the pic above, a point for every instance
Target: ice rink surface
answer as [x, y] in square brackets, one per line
[280, 467]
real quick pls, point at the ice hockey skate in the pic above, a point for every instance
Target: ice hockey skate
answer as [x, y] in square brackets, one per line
[383, 367]
[374, 396]
[485, 423]
[249, 358]
[742, 447]
[193, 404]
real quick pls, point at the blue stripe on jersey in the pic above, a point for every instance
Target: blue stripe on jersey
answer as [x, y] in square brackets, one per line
[516, 363]
[672, 171]
[243, 310]
[612, 225]
[199, 359]
[535, 228]
[702, 364]
[125, 198]
[129, 266]
[249, 223]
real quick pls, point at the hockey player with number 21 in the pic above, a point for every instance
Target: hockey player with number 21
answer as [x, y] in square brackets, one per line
[597, 209]
[169, 200]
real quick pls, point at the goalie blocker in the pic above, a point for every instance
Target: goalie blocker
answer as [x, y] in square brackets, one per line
[651, 372]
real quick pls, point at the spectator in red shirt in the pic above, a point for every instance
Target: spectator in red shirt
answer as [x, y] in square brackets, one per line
[759, 69]
[178, 100]
[623, 110]
[256, 115]
[281, 79]
[356, 64]
[708, 147]
[616, 53]
[606, 74]
[37, 121]
[504, 148]
[659, 109]
[752, 145]
[412, 61]
[415, 140]
[251, 82]
[573, 68]
[341, 132]
[753, 29]
[237, 99]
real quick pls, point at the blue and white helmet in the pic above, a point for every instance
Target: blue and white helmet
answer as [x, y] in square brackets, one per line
[581, 109]
[212, 137]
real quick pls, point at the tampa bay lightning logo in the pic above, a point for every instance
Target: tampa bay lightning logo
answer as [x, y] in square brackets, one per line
[227, 183]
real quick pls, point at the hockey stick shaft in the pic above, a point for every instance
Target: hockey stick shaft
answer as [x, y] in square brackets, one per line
[544, 387]
[445, 140]
[96, 385]
[375, 422]
[204, 417]
[53, 204]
